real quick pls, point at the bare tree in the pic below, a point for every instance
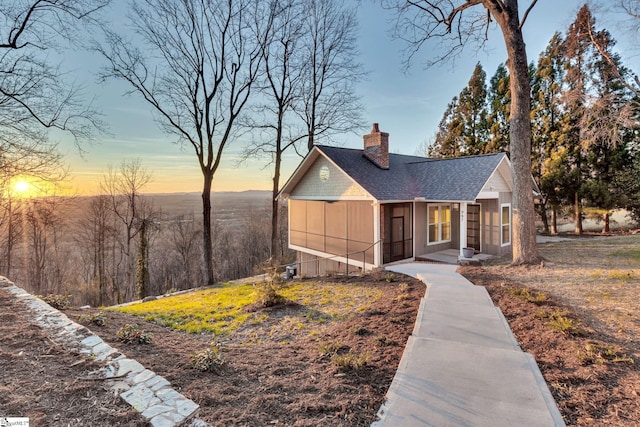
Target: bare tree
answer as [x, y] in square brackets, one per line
[308, 83]
[44, 225]
[455, 24]
[329, 102]
[130, 210]
[34, 95]
[95, 237]
[183, 237]
[206, 59]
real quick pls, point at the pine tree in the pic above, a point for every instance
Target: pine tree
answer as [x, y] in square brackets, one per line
[472, 108]
[597, 103]
[546, 125]
[448, 138]
[499, 101]
[463, 129]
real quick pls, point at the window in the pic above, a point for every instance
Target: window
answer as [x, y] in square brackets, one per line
[505, 225]
[439, 223]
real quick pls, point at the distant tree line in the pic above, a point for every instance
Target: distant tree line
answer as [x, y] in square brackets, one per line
[585, 125]
[118, 246]
[210, 72]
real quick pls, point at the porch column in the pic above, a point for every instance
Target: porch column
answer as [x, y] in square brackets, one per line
[377, 253]
[463, 227]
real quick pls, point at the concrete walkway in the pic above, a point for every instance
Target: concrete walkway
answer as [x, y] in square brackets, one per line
[462, 366]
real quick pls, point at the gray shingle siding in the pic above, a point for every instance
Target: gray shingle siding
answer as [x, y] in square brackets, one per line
[408, 177]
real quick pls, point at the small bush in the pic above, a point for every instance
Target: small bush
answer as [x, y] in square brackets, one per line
[59, 302]
[404, 292]
[98, 319]
[329, 348]
[267, 294]
[209, 360]
[385, 342]
[603, 353]
[132, 334]
[351, 360]
[390, 278]
[526, 295]
[267, 290]
[374, 312]
[561, 323]
[361, 331]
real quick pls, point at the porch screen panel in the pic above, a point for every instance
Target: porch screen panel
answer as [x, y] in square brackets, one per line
[298, 222]
[336, 219]
[336, 246]
[360, 223]
[315, 225]
[360, 230]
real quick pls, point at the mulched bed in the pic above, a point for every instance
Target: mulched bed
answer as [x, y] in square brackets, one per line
[590, 386]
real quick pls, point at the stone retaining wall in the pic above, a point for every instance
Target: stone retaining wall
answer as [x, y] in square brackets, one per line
[148, 393]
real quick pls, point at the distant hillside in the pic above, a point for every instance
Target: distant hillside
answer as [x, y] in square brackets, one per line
[227, 206]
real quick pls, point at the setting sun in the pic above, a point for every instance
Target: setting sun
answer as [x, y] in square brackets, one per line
[21, 186]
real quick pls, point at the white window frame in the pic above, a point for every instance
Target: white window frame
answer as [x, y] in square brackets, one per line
[439, 224]
[502, 224]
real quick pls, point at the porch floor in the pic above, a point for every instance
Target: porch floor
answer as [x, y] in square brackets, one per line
[449, 256]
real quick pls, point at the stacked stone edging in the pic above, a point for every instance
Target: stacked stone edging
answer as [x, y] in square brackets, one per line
[148, 393]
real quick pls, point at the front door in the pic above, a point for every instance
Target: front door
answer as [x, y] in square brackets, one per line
[473, 227]
[397, 238]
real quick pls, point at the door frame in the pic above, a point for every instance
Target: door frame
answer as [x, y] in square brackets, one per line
[479, 227]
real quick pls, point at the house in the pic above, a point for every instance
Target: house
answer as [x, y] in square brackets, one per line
[367, 208]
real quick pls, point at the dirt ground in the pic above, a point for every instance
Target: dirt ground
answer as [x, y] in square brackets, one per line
[46, 383]
[287, 376]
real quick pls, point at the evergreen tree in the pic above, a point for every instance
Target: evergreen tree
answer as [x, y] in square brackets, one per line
[546, 127]
[597, 101]
[463, 129]
[472, 108]
[580, 58]
[499, 101]
[448, 138]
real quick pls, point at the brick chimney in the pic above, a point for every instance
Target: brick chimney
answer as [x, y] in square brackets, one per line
[376, 147]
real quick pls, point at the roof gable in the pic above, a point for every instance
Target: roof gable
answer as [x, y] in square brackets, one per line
[324, 180]
[408, 177]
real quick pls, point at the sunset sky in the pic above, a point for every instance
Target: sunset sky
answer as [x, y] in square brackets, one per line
[407, 105]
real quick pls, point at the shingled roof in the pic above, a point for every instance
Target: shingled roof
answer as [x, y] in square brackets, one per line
[410, 177]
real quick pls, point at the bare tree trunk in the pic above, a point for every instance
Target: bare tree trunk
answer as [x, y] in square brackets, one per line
[275, 206]
[554, 220]
[206, 231]
[525, 250]
[578, 214]
[606, 226]
[542, 210]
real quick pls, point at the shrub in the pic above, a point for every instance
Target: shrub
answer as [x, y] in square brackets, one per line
[602, 353]
[390, 277]
[59, 302]
[98, 319]
[267, 290]
[209, 360]
[132, 334]
[351, 360]
[361, 331]
[329, 348]
[385, 342]
[267, 294]
[526, 295]
[561, 323]
[404, 292]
